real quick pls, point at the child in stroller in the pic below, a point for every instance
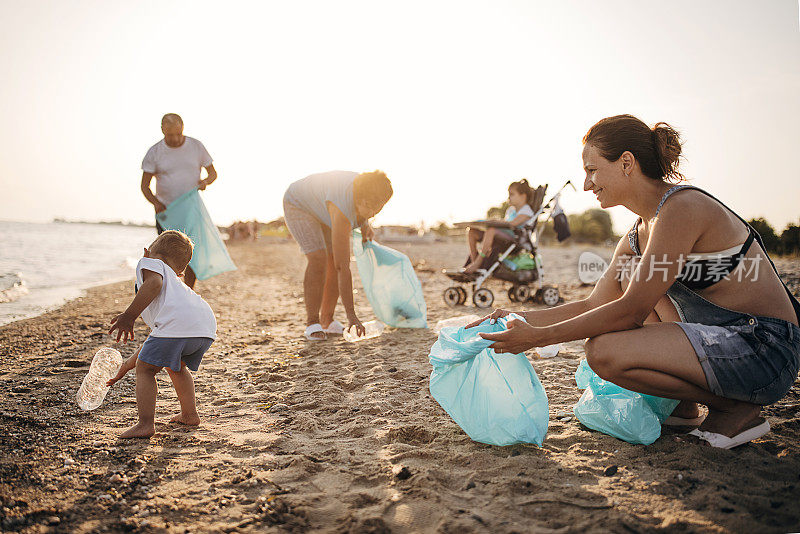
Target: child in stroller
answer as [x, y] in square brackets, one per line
[516, 261]
[519, 212]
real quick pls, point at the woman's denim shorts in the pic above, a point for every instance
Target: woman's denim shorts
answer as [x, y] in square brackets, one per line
[755, 360]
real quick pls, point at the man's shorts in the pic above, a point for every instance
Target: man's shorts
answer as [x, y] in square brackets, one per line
[172, 352]
[306, 229]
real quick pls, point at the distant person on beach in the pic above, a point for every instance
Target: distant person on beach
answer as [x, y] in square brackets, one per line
[175, 162]
[241, 230]
[183, 328]
[684, 311]
[321, 212]
[519, 212]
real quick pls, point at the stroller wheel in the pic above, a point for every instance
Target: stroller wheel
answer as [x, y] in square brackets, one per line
[512, 295]
[521, 293]
[483, 298]
[452, 296]
[462, 295]
[550, 295]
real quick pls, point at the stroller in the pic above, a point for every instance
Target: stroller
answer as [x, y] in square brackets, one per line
[526, 240]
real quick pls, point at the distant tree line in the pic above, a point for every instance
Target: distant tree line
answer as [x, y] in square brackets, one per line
[595, 226]
[591, 226]
[787, 243]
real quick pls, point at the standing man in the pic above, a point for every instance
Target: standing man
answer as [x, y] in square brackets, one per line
[175, 162]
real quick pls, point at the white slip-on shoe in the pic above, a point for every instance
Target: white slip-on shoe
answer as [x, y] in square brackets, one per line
[313, 329]
[335, 328]
[724, 442]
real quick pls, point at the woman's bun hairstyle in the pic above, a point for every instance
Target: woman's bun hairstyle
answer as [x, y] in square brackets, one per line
[658, 150]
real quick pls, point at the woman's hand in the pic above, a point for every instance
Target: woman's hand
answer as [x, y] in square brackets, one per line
[519, 337]
[367, 232]
[355, 322]
[493, 317]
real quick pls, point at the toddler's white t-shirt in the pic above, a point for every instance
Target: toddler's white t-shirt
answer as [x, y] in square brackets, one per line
[512, 213]
[177, 311]
[177, 170]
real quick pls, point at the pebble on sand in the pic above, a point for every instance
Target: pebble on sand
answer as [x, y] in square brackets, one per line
[401, 472]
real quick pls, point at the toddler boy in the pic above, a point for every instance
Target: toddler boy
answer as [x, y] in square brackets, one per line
[183, 328]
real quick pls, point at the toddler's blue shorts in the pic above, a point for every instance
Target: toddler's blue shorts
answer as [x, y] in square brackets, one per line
[173, 351]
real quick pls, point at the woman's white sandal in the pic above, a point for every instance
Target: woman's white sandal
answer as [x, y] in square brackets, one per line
[336, 328]
[313, 329]
[724, 442]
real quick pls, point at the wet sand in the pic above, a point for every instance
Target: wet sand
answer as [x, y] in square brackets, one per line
[340, 437]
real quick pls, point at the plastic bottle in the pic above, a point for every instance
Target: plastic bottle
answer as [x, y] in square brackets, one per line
[549, 351]
[373, 329]
[105, 365]
[461, 320]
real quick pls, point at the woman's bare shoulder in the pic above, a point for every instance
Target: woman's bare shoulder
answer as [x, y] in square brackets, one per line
[689, 206]
[693, 212]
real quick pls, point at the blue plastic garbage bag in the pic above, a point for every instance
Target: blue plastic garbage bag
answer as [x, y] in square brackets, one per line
[495, 398]
[391, 285]
[188, 214]
[624, 414]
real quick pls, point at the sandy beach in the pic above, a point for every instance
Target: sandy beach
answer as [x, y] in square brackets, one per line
[341, 437]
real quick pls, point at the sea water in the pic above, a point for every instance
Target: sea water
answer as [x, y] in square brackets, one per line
[42, 265]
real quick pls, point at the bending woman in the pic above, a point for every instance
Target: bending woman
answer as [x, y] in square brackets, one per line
[703, 316]
[321, 212]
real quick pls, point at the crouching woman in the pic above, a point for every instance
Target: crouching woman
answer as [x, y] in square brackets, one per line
[691, 308]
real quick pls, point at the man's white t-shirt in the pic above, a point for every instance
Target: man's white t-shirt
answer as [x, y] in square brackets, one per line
[177, 170]
[177, 311]
[512, 213]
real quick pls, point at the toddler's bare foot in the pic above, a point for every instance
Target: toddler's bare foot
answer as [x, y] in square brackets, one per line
[191, 420]
[139, 430]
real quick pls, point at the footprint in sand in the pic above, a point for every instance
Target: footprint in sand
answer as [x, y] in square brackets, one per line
[412, 434]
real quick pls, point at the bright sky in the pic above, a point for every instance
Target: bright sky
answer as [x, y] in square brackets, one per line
[453, 100]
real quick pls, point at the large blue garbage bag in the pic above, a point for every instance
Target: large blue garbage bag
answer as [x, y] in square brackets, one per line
[391, 285]
[188, 214]
[624, 414]
[495, 398]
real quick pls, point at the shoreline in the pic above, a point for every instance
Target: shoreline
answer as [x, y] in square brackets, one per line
[61, 296]
[340, 437]
[53, 263]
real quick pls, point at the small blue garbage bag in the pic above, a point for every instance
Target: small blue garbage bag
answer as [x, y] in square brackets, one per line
[624, 414]
[495, 398]
[188, 214]
[391, 285]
